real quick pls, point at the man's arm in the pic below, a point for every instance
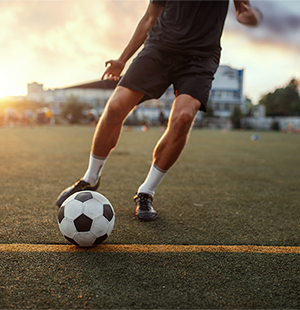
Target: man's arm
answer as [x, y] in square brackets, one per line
[115, 67]
[245, 14]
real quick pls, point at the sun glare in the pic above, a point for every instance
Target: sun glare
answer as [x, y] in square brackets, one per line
[7, 88]
[3, 87]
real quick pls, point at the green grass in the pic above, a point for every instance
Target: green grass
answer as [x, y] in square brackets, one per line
[224, 190]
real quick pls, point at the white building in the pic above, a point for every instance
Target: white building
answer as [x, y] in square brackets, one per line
[95, 94]
[226, 92]
[35, 92]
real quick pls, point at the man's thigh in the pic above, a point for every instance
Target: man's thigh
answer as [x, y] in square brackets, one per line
[193, 76]
[149, 73]
[124, 99]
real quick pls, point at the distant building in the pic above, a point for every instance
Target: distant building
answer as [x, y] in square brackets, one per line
[226, 92]
[35, 92]
[95, 94]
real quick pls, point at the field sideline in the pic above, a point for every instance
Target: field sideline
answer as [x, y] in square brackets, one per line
[151, 248]
[227, 235]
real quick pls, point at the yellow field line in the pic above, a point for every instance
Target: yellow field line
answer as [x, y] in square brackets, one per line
[151, 248]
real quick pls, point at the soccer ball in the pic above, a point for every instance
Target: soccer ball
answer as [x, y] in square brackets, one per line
[255, 137]
[86, 218]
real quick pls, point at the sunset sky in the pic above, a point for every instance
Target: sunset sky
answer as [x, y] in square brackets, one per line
[60, 43]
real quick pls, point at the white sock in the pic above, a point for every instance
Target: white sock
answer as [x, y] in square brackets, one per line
[154, 177]
[94, 169]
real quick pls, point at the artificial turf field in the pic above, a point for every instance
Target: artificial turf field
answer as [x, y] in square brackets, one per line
[225, 190]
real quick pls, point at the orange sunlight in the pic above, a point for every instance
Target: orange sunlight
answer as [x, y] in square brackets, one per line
[4, 88]
[7, 88]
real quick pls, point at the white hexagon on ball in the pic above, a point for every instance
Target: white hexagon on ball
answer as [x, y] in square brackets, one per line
[100, 227]
[68, 228]
[84, 238]
[74, 211]
[91, 211]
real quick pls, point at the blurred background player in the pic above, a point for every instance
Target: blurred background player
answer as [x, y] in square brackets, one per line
[181, 47]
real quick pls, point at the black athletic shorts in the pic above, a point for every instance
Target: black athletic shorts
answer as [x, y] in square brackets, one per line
[153, 71]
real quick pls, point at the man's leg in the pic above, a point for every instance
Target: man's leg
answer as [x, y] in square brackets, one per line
[171, 144]
[166, 152]
[108, 130]
[106, 136]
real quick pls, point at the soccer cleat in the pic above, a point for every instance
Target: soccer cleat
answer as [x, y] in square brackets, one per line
[144, 210]
[79, 186]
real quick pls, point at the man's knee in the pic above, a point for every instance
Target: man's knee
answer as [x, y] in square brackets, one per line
[113, 107]
[121, 102]
[185, 117]
[185, 110]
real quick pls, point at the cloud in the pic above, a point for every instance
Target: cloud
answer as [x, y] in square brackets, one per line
[65, 40]
[63, 31]
[280, 24]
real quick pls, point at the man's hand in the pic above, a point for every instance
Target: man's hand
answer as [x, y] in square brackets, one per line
[247, 15]
[115, 67]
[113, 70]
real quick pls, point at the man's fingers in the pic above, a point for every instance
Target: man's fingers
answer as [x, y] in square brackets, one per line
[110, 77]
[108, 63]
[245, 7]
[113, 70]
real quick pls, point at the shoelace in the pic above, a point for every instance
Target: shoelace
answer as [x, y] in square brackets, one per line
[144, 202]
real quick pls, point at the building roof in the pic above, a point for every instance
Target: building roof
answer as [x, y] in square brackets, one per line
[105, 84]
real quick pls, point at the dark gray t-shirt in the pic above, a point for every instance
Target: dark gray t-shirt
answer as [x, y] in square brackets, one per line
[189, 27]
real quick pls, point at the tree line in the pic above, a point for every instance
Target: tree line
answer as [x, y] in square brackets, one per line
[283, 101]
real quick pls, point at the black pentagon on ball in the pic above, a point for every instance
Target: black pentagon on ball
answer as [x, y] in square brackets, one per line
[100, 239]
[61, 214]
[84, 196]
[108, 212]
[71, 240]
[83, 223]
